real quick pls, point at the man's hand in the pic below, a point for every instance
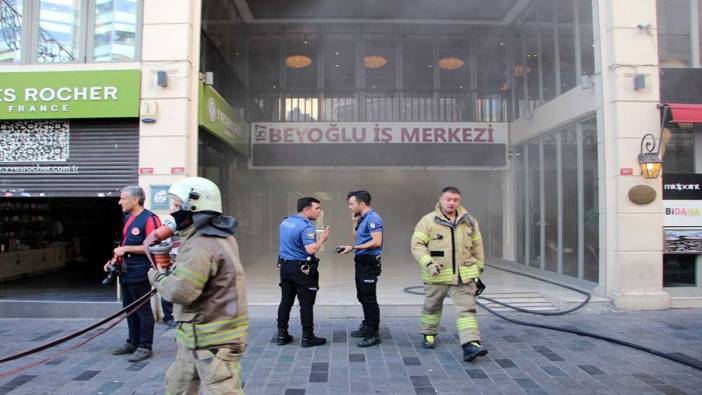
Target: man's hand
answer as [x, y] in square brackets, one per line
[324, 236]
[106, 267]
[434, 268]
[345, 250]
[120, 251]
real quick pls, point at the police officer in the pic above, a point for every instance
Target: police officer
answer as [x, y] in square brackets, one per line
[139, 222]
[298, 270]
[448, 247]
[368, 231]
[207, 287]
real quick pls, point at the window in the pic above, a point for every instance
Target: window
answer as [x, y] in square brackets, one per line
[673, 33]
[115, 32]
[10, 30]
[557, 214]
[69, 31]
[58, 39]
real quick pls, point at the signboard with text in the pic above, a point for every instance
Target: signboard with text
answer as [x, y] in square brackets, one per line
[682, 200]
[69, 94]
[217, 116]
[361, 144]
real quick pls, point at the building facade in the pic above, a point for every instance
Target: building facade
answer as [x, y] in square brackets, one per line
[536, 109]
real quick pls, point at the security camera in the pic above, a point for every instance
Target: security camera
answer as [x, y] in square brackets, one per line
[646, 27]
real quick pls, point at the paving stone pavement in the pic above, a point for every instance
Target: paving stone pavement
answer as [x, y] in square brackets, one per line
[521, 360]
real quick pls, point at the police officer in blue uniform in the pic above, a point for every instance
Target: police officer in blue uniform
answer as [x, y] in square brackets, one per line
[368, 230]
[298, 270]
[139, 222]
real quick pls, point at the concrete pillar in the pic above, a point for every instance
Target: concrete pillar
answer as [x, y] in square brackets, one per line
[631, 234]
[170, 43]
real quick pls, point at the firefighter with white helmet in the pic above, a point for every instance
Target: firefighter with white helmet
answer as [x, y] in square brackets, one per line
[206, 285]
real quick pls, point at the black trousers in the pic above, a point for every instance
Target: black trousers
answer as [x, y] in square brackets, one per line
[367, 272]
[293, 282]
[167, 309]
[141, 322]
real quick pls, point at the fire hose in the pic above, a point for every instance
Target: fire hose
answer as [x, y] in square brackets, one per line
[134, 306]
[155, 245]
[682, 359]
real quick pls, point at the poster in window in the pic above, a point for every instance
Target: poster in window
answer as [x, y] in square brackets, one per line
[683, 241]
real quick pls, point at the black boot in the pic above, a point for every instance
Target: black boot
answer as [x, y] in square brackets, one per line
[371, 339]
[473, 350]
[361, 332]
[284, 337]
[312, 341]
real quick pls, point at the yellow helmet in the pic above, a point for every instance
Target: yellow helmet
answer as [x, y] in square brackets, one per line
[197, 194]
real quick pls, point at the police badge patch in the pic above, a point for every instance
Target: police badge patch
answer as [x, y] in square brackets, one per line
[136, 231]
[310, 235]
[373, 225]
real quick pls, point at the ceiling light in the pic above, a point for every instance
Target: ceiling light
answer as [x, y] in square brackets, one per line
[374, 61]
[298, 61]
[450, 63]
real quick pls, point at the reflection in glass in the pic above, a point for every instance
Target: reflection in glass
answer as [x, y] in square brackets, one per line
[591, 215]
[59, 27]
[10, 31]
[534, 203]
[115, 30]
[569, 147]
[551, 195]
[673, 33]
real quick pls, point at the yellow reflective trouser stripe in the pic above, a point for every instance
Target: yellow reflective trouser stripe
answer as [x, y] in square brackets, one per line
[424, 260]
[466, 323]
[185, 335]
[216, 325]
[430, 319]
[444, 277]
[421, 236]
[194, 277]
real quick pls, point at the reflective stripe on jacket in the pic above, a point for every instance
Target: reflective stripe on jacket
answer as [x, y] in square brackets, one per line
[456, 247]
[208, 290]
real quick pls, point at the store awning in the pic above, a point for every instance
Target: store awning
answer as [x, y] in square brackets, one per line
[685, 113]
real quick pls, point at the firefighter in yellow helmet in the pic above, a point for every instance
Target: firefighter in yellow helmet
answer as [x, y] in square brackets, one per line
[206, 285]
[447, 245]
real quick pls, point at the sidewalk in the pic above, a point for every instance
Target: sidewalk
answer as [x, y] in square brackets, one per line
[521, 360]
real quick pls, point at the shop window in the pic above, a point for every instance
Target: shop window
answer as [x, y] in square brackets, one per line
[679, 270]
[11, 20]
[680, 151]
[547, 48]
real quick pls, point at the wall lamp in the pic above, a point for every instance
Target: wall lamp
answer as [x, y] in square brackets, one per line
[650, 161]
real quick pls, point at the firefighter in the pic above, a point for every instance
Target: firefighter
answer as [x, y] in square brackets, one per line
[206, 285]
[447, 245]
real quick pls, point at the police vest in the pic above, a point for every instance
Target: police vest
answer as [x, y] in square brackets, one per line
[137, 265]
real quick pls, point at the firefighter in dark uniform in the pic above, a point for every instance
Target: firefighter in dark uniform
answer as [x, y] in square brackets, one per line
[298, 270]
[139, 222]
[368, 231]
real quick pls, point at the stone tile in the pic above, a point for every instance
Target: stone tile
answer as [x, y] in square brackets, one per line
[87, 375]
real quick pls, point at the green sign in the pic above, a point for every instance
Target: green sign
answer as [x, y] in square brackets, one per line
[217, 116]
[70, 94]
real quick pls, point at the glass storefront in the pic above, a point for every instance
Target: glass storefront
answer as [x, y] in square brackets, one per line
[556, 201]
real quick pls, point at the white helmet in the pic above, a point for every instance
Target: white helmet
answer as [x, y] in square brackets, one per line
[197, 194]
